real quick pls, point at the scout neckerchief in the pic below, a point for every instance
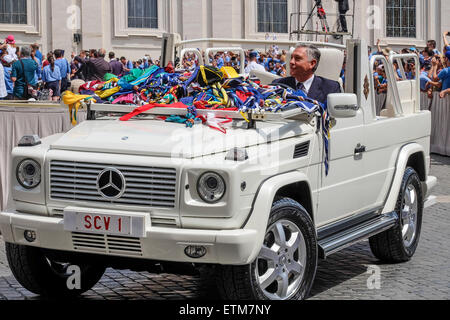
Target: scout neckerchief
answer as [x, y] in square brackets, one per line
[74, 101]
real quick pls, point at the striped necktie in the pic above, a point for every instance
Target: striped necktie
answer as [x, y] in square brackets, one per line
[301, 86]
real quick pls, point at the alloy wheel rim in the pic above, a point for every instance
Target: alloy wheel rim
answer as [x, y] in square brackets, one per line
[408, 213]
[280, 265]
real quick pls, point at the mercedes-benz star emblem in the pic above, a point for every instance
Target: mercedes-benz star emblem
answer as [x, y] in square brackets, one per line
[111, 183]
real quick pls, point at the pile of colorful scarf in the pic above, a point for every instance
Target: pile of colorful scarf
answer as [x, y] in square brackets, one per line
[154, 87]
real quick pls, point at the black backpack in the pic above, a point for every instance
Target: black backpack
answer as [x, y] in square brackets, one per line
[208, 75]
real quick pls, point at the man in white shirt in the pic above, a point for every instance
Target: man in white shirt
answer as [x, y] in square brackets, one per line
[253, 64]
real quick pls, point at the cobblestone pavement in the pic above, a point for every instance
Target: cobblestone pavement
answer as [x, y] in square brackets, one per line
[342, 276]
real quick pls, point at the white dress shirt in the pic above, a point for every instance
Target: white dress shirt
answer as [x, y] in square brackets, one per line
[254, 66]
[307, 84]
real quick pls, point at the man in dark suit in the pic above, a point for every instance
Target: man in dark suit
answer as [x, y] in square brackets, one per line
[343, 8]
[304, 62]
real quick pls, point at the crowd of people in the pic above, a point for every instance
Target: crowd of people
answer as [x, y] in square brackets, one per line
[434, 68]
[272, 60]
[434, 65]
[26, 73]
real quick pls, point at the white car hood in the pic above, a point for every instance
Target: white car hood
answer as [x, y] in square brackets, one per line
[162, 139]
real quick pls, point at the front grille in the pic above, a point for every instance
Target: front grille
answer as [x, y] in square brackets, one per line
[145, 186]
[100, 243]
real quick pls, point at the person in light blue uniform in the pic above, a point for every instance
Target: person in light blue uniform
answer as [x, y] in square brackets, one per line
[9, 86]
[424, 79]
[8, 82]
[220, 62]
[64, 68]
[444, 75]
[51, 76]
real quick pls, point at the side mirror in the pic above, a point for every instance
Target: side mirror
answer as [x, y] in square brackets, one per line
[342, 105]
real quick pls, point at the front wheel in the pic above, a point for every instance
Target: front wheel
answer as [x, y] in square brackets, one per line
[400, 243]
[47, 276]
[286, 265]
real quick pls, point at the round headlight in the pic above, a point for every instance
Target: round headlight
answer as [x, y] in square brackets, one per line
[211, 187]
[29, 174]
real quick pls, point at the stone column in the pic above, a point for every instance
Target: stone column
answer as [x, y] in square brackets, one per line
[92, 23]
[61, 21]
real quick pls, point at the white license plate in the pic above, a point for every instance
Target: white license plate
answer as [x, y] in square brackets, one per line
[105, 222]
[102, 223]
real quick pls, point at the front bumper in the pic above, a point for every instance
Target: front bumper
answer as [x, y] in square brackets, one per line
[226, 247]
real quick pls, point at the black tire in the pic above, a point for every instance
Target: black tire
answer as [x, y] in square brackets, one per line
[240, 283]
[39, 274]
[389, 246]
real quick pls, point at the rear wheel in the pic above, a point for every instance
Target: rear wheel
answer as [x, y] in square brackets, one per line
[45, 275]
[286, 265]
[400, 243]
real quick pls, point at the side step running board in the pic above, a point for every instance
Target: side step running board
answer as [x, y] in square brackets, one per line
[348, 237]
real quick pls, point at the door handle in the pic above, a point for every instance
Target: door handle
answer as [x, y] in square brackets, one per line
[360, 149]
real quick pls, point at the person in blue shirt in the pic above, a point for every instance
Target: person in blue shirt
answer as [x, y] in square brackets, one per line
[140, 64]
[37, 56]
[227, 59]
[145, 63]
[271, 67]
[431, 45]
[37, 53]
[8, 82]
[220, 61]
[38, 73]
[380, 79]
[410, 70]
[446, 44]
[444, 75]
[64, 68]
[51, 76]
[127, 65]
[398, 73]
[424, 78]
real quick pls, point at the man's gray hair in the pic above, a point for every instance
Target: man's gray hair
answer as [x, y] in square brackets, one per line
[313, 53]
[102, 53]
[25, 51]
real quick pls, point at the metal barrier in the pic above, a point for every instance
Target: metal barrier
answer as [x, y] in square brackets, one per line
[392, 84]
[440, 123]
[195, 51]
[289, 44]
[399, 58]
[258, 41]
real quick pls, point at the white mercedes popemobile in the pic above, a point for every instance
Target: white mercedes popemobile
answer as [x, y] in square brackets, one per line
[253, 207]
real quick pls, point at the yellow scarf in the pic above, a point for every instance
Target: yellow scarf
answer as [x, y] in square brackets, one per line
[74, 102]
